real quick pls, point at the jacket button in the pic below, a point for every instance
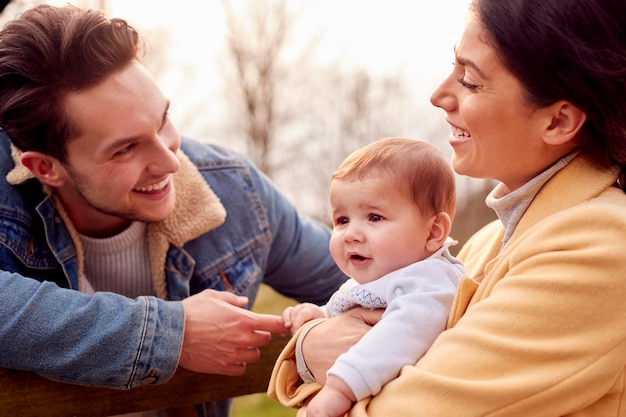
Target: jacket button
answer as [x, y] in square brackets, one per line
[151, 378]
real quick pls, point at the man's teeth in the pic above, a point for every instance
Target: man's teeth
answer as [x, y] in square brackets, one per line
[154, 187]
[460, 132]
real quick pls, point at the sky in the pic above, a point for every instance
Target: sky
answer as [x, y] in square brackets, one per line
[379, 34]
[383, 36]
[412, 39]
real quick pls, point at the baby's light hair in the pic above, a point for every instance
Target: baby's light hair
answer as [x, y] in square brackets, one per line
[412, 166]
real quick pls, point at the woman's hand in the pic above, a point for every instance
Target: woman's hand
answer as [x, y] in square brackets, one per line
[326, 341]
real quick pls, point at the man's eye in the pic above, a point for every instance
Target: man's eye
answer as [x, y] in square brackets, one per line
[124, 150]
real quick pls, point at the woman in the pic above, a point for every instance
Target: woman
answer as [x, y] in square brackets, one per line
[536, 100]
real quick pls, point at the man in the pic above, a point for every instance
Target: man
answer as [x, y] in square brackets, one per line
[102, 196]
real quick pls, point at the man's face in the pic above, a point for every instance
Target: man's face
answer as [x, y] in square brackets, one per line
[120, 166]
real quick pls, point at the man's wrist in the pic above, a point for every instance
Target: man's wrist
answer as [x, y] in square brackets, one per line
[159, 353]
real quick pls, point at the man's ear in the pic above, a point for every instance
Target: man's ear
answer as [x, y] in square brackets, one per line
[45, 168]
[440, 226]
[567, 120]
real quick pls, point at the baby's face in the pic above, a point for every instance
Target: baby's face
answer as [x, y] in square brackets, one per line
[376, 228]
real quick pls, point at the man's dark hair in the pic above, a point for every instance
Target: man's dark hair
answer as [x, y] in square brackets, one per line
[46, 53]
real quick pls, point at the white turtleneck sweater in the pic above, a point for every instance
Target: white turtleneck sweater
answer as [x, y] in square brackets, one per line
[511, 205]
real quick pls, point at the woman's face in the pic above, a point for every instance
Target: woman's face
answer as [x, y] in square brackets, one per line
[495, 132]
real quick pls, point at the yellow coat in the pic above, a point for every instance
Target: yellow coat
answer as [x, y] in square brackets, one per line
[541, 328]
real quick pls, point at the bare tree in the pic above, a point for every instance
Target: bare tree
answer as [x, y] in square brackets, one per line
[255, 39]
[339, 111]
[300, 120]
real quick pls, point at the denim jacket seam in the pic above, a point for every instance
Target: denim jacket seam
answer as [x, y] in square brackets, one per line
[140, 349]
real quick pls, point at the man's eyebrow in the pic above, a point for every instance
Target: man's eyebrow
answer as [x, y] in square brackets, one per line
[121, 142]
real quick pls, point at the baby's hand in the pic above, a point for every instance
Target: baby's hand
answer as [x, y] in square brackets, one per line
[294, 317]
[334, 400]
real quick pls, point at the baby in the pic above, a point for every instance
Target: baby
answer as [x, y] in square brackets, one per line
[392, 203]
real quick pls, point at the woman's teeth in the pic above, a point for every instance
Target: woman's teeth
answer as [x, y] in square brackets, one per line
[460, 133]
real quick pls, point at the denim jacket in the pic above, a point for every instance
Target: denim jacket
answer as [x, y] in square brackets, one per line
[232, 235]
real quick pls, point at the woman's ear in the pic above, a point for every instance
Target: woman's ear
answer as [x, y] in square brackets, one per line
[440, 226]
[45, 168]
[567, 120]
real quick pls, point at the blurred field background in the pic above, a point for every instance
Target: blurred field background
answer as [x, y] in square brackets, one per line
[260, 405]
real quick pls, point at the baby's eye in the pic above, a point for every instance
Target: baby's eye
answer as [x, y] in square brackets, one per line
[375, 217]
[342, 220]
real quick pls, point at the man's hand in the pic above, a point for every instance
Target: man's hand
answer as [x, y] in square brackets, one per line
[326, 341]
[221, 336]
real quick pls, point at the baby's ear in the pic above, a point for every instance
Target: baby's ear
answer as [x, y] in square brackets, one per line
[440, 226]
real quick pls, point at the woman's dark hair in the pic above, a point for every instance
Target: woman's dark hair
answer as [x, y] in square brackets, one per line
[573, 50]
[46, 53]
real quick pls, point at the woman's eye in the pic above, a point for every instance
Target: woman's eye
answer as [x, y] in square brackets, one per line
[468, 85]
[459, 68]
